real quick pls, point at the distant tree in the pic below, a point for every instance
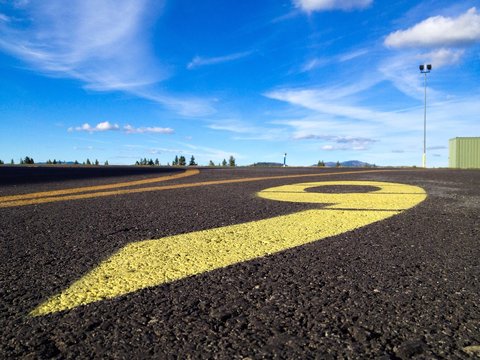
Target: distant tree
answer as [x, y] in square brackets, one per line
[175, 161]
[157, 162]
[88, 162]
[49, 162]
[27, 160]
[106, 163]
[1, 162]
[321, 163]
[151, 162]
[76, 162]
[224, 162]
[137, 163]
[192, 161]
[231, 161]
[182, 161]
[211, 163]
[12, 162]
[96, 162]
[54, 162]
[338, 164]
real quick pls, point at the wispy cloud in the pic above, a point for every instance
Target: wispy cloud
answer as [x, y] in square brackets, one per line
[149, 129]
[247, 131]
[103, 44]
[439, 31]
[107, 126]
[324, 5]
[198, 61]
[340, 142]
[324, 61]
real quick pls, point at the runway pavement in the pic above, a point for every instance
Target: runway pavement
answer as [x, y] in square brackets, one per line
[125, 262]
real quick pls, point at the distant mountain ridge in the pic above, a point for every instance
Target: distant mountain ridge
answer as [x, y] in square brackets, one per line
[349, 163]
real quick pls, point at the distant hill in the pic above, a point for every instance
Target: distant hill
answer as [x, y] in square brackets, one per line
[349, 163]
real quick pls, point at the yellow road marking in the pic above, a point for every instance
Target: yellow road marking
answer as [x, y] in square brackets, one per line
[46, 194]
[49, 199]
[155, 262]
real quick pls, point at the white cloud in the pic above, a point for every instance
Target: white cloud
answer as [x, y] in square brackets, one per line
[323, 5]
[107, 126]
[149, 129]
[441, 57]
[439, 31]
[103, 44]
[198, 61]
[103, 126]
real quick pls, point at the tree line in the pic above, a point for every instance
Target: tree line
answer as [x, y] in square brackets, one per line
[182, 161]
[177, 161]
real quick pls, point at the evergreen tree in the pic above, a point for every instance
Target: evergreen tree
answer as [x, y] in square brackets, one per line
[182, 161]
[338, 164]
[137, 163]
[321, 163]
[106, 163]
[96, 162]
[49, 162]
[224, 162]
[157, 163]
[76, 162]
[1, 162]
[12, 162]
[54, 162]
[88, 162]
[150, 162]
[192, 161]
[211, 163]
[175, 162]
[231, 161]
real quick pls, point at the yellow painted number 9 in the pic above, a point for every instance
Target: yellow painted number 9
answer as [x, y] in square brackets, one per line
[154, 262]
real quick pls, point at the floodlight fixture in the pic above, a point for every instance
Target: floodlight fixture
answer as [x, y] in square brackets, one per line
[425, 69]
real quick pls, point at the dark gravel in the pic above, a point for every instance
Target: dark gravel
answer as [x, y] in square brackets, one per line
[407, 287]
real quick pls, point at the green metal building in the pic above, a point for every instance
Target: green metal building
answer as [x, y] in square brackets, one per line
[464, 153]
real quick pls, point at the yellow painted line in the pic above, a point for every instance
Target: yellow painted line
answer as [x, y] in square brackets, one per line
[49, 199]
[155, 262]
[46, 194]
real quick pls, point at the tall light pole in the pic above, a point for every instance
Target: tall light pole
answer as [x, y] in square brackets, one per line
[285, 160]
[425, 69]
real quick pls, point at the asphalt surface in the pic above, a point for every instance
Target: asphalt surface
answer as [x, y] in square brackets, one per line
[404, 287]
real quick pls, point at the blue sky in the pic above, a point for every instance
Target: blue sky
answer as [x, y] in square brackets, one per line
[324, 80]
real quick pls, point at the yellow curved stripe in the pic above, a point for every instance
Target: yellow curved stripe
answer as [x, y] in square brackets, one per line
[155, 262]
[49, 199]
[46, 194]
[387, 197]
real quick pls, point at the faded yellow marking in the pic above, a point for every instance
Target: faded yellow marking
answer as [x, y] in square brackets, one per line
[49, 199]
[48, 194]
[155, 262]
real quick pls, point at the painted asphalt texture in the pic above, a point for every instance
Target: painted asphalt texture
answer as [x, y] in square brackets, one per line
[404, 287]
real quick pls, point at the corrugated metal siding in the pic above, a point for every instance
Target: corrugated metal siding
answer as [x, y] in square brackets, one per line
[464, 153]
